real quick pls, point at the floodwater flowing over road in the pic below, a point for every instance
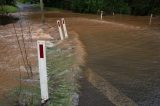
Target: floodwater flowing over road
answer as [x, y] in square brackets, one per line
[127, 57]
[123, 59]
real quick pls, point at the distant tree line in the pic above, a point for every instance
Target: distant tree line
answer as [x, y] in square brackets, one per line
[7, 2]
[134, 7]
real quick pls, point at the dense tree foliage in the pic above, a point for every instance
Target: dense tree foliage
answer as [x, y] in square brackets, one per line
[7, 6]
[65, 4]
[135, 7]
[144, 7]
[7, 2]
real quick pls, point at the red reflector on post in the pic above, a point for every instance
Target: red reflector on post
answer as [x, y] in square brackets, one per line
[41, 51]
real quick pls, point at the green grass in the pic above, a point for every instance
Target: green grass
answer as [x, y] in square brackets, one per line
[25, 96]
[61, 81]
[8, 9]
[36, 5]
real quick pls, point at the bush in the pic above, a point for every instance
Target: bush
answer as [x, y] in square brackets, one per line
[7, 2]
[88, 6]
[29, 1]
[120, 7]
[134, 7]
[156, 11]
[8, 9]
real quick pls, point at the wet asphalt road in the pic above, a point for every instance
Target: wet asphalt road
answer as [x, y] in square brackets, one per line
[129, 58]
[91, 96]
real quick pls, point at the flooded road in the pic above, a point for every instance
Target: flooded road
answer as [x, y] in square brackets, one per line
[123, 59]
[129, 58]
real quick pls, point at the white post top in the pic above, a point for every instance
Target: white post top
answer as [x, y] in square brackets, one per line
[63, 21]
[41, 42]
[59, 23]
[60, 29]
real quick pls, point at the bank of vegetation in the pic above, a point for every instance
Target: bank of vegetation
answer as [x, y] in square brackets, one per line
[133, 7]
[63, 73]
[8, 6]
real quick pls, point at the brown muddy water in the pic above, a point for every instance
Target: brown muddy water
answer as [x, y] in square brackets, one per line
[123, 58]
[123, 52]
[126, 57]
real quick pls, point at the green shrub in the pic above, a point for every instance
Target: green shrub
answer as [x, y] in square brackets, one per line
[29, 1]
[134, 7]
[8, 9]
[156, 11]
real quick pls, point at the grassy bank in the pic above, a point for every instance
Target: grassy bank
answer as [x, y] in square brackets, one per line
[61, 86]
[8, 9]
[63, 72]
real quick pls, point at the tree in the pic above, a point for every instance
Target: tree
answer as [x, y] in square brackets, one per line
[135, 7]
[5, 8]
[7, 2]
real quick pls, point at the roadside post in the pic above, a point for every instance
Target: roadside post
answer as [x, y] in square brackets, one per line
[41, 48]
[150, 21]
[101, 15]
[64, 28]
[60, 29]
[113, 13]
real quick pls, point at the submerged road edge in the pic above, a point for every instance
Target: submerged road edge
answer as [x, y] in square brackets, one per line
[112, 93]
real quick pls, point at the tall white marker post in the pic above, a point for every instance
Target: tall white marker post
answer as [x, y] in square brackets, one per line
[60, 29]
[101, 15]
[41, 48]
[64, 28]
[150, 21]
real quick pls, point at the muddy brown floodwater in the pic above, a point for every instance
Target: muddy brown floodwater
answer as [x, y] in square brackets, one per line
[123, 59]
[126, 57]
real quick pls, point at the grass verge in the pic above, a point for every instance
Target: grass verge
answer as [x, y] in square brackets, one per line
[8, 9]
[62, 85]
[62, 75]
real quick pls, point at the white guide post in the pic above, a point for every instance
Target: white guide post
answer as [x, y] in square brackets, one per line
[41, 48]
[60, 29]
[150, 21]
[113, 13]
[101, 15]
[64, 28]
